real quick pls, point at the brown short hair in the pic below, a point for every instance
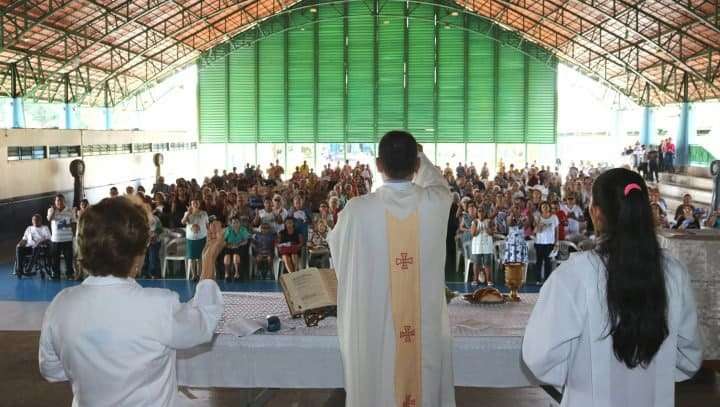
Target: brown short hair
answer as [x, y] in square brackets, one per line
[111, 235]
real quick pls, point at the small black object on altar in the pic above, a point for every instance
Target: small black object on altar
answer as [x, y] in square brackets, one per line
[273, 323]
[314, 316]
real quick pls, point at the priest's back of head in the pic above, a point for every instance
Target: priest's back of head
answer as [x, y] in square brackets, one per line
[387, 247]
[398, 155]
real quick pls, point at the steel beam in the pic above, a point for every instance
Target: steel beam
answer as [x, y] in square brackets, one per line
[28, 24]
[108, 29]
[656, 44]
[570, 54]
[204, 45]
[128, 65]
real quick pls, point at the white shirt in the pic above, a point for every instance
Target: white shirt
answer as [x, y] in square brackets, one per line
[34, 235]
[566, 342]
[575, 210]
[61, 224]
[482, 243]
[201, 219]
[546, 229]
[115, 341]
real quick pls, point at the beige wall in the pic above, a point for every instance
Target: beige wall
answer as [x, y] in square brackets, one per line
[30, 177]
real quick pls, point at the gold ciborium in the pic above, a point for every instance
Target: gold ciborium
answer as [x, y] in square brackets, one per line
[514, 279]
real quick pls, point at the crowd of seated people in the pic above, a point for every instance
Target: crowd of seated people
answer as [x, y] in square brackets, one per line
[254, 206]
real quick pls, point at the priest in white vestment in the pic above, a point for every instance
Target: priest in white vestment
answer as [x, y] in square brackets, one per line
[389, 254]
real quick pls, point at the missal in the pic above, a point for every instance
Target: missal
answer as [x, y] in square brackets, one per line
[309, 289]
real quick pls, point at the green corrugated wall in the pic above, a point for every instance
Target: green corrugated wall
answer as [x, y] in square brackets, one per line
[345, 74]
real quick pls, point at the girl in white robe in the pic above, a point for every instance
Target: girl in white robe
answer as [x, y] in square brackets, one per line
[654, 342]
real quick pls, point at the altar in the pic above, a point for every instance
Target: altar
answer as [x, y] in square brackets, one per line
[699, 250]
[487, 348]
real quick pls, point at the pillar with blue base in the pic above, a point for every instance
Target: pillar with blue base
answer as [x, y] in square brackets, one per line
[70, 116]
[18, 114]
[107, 115]
[682, 141]
[648, 126]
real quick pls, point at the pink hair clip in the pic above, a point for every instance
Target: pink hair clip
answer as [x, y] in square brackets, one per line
[630, 187]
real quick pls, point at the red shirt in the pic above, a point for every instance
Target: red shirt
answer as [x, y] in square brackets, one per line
[671, 148]
[562, 217]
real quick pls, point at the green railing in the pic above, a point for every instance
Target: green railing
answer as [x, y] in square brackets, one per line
[699, 156]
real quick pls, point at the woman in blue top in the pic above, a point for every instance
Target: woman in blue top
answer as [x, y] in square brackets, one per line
[236, 238]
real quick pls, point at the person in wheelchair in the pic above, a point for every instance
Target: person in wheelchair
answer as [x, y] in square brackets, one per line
[35, 238]
[263, 244]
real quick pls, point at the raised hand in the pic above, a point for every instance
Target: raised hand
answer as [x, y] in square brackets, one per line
[214, 245]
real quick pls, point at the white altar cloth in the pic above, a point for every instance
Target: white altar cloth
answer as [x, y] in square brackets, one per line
[486, 353]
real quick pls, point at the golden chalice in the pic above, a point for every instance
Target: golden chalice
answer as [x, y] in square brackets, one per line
[514, 279]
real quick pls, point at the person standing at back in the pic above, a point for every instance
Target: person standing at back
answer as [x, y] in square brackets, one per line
[616, 326]
[61, 219]
[388, 248]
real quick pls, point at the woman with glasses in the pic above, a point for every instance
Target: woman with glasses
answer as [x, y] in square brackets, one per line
[325, 215]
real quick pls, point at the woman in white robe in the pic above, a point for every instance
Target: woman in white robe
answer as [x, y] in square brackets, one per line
[570, 339]
[114, 340]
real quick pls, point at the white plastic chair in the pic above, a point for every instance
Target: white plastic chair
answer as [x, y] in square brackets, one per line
[458, 252]
[467, 261]
[499, 253]
[174, 251]
[532, 255]
[564, 247]
[586, 245]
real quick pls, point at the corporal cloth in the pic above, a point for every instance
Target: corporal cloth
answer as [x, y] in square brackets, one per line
[379, 306]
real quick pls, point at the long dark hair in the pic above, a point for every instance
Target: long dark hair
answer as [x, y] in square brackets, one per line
[636, 298]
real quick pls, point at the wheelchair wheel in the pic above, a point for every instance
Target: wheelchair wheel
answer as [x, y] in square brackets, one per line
[15, 270]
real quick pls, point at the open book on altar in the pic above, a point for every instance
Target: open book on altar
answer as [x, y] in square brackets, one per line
[309, 290]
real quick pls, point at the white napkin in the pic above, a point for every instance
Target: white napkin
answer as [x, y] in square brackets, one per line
[243, 327]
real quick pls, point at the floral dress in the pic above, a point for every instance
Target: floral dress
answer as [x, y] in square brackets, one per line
[516, 249]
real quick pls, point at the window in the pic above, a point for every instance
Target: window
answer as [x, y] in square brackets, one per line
[297, 154]
[541, 154]
[451, 153]
[269, 153]
[106, 149]
[160, 147]
[89, 150]
[479, 153]
[27, 153]
[240, 154]
[64, 151]
[142, 148]
[511, 154]
[182, 146]
[329, 153]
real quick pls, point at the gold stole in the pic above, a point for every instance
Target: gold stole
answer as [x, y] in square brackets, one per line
[404, 254]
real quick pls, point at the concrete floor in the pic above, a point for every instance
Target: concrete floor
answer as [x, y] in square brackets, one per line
[22, 386]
